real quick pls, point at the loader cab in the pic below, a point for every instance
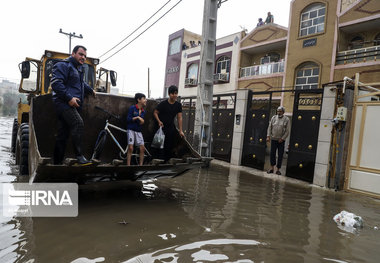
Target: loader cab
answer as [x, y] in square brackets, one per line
[36, 74]
[106, 78]
[30, 75]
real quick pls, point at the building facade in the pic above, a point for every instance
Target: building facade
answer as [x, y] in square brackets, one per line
[182, 66]
[325, 42]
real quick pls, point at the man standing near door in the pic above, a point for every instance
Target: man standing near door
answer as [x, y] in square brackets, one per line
[278, 131]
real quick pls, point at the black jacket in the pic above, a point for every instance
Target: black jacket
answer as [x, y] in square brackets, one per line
[68, 82]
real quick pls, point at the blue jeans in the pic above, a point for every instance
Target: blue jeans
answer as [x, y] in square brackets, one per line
[274, 146]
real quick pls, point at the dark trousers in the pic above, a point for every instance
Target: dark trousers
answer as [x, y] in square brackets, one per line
[69, 123]
[167, 152]
[274, 146]
[168, 143]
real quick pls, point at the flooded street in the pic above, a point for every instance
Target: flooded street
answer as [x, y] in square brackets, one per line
[220, 214]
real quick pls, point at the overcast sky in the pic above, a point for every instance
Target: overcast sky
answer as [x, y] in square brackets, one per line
[28, 27]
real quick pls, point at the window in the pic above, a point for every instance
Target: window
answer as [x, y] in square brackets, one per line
[307, 76]
[269, 58]
[175, 46]
[356, 42]
[313, 19]
[192, 75]
[376, 41]
[30, 84]
[89, 73]
[192, 71]
[223, 64]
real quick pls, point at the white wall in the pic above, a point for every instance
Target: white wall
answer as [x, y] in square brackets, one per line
[234, 70]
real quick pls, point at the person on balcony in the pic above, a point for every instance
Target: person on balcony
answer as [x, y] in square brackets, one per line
[260, 23]
[278, 131]
[269, 19]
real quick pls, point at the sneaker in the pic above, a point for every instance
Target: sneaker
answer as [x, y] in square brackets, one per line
[82, 160]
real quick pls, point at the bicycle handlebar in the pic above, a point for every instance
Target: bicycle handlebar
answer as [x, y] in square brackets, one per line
[109, 113]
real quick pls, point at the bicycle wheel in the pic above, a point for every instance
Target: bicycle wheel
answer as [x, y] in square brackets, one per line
[99, 145]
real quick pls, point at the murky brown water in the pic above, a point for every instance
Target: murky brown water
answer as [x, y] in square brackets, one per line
[208, 215]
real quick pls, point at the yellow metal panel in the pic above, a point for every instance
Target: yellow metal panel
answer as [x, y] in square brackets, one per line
[21, 108]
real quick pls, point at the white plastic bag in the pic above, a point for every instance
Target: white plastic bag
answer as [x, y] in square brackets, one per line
[348, 221]
[158, 139]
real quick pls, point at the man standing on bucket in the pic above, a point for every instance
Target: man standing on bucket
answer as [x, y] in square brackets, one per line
[278, 131]
[69, 89]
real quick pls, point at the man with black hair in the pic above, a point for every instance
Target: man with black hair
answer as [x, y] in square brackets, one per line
[165, 113]
[135, 120]
[69, 89]
[269, 19]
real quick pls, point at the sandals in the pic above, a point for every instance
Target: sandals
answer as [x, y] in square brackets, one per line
[278, 173]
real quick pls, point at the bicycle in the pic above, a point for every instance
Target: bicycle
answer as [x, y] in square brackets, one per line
[100, 141]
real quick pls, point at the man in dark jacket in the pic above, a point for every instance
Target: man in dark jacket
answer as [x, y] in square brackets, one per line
[69, 89]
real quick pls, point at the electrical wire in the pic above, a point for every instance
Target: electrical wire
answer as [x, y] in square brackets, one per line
[142, 32]
[135, 30]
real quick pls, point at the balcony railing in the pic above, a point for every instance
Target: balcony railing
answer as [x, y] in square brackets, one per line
[221, 77]
[358, 55]
[190, 82]
[265, 69]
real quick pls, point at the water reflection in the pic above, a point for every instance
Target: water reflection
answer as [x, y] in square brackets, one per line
[219, 214]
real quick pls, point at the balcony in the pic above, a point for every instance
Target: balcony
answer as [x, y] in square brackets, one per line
[221, 77]
[265, 69]
[190, 82]
[359, 55]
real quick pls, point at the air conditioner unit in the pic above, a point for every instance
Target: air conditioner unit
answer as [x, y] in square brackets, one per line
[190, 81]
[223, 77]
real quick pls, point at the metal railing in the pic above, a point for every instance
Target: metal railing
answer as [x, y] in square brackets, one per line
[222, 77]
[359, 55]
[191, 82]
[265, 69]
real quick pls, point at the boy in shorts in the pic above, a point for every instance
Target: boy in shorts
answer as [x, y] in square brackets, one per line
[135, 120]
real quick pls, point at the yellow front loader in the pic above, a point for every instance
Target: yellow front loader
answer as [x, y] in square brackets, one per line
[35, 81]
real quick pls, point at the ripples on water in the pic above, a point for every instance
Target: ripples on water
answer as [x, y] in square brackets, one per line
[219, 214]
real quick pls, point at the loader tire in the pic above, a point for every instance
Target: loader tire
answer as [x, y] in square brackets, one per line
[22, 149]
[14, 135]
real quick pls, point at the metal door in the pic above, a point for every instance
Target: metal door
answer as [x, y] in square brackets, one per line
[304, 134]
[258, 113]
[222, 123]
[223, 126]
[188, 118]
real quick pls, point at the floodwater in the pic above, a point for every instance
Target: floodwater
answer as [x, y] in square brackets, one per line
[219, 214]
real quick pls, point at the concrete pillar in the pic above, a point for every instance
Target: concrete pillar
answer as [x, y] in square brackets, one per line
[324, 137]
[239, 127]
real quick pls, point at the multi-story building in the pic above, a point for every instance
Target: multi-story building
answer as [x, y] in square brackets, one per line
[8, 86]
[182, 64]
[326, 41]
[178, 42]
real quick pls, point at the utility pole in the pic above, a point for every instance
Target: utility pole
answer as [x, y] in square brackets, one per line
[148, 83]
[203, 113]
[70, 35]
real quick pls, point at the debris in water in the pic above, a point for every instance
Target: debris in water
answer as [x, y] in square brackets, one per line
[123, 222]
[348, 221]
